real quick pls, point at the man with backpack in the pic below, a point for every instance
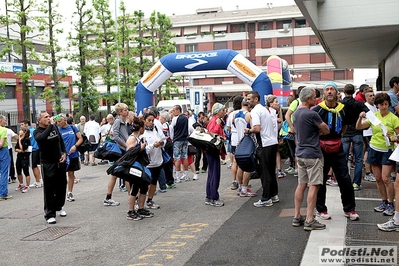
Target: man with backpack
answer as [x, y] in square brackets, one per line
[262, 126]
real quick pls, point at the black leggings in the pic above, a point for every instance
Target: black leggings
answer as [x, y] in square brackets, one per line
[155, 172]
[137, 185]
[22, 165]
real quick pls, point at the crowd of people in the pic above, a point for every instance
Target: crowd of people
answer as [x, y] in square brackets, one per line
[324, 132]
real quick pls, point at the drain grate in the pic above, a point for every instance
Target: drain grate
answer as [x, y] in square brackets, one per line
[358, 232]
[50, 234]
[22, 214]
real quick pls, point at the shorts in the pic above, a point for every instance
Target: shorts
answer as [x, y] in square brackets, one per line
[180, 149]
[74, 164]
[310, 170]
[93, 147]
[379, 158]
[233, 149]
[35, 159]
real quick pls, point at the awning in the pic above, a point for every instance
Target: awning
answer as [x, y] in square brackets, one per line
[176, 31]
[220, 27]
[190, 30]
[205, 28]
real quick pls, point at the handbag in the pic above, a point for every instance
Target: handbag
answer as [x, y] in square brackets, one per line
[85, 145]
[330, 145]
[192, 150]
[204, 140]
[108, 151]
[165, 156]
[134, 172]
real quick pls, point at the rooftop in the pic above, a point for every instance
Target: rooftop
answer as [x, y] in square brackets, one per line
[217, 15]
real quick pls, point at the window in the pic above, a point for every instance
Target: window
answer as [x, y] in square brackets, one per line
[266, 43]
[219, 45]
[263, 26]
[300, 23]
[317, 58]
[315, 75]
[237, 27]
[287, 58]
[177, 48]
[191, 48]
[39, 48]
[9, 92]
[282, 24]
[237, 45]
[284, 42]
[314, 40]
[339, 74]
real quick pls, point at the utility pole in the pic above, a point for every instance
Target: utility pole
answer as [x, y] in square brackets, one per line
[117, 53]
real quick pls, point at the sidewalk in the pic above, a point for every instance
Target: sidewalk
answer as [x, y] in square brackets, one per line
[341, 231]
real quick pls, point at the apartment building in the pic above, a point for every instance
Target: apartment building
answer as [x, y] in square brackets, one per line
[256, 34]
[10, 65]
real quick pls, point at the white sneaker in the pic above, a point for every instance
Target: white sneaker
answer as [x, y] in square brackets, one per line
[51, 220]
[323, 215]
[62, 213]
[186, 178]
[36, 185]
[195, 177]
[275, 199]
[177, 180]
[369, 177]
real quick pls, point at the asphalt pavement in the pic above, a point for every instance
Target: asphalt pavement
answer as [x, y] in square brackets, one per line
[184, 231]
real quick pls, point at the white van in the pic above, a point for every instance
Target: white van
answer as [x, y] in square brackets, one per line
[168, 105]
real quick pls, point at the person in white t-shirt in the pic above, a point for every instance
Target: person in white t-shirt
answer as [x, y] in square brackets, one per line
[367, 133]
[262, 125]
[11, 135]
[92, 131]
[277, 116]
[233, 140]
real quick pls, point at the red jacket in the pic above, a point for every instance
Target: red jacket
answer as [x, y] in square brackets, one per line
[360, 97]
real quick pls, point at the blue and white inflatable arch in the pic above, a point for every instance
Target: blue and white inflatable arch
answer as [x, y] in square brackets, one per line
[198, 61]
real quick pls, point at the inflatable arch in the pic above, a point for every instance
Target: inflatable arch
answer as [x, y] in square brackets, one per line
[280, 77]
[199, 61]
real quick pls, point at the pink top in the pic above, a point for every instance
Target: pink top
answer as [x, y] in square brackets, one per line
[214, 127]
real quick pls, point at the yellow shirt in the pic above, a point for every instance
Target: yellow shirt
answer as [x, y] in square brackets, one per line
[391, 122]
[3, 135]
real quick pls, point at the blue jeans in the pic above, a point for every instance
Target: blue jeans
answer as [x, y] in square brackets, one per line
[162, 180]
[4, 168]
[358, 153]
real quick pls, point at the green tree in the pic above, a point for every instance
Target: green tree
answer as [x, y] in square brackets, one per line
[20, 45]
[128, 65]
[140, 30]
[80, 46]
[50, 26]
[105, 48]
[161, 45]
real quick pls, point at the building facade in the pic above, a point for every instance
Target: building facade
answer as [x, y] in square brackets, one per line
[256, 34]
[10, 65]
